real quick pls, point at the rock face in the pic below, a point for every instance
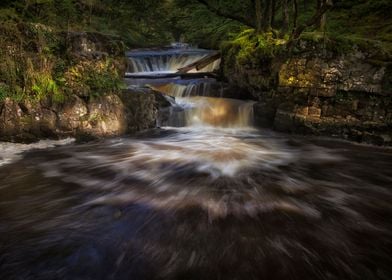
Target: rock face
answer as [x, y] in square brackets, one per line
[322, 92]
[67, 84]
[109, 115]
[350, 73]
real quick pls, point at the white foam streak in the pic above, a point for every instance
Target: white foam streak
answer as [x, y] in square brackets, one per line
[167, 63]
[10, 152]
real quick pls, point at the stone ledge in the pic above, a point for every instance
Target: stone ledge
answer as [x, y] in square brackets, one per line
[105, 116]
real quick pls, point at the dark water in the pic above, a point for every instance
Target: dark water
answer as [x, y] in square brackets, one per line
[198, 203]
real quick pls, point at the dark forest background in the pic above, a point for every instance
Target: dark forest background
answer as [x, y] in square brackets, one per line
[203, 22]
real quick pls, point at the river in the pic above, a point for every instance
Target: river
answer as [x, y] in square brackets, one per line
[206, 196]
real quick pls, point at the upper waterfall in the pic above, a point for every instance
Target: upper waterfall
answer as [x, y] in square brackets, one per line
[167, 61]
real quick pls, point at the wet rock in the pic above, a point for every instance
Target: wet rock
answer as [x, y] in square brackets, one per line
[284, 121]
[103, 116]
[106, 116]
[140, 112]
[72, 113]
[264, 114]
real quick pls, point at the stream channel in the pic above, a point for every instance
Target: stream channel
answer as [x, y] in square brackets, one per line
[204, 196]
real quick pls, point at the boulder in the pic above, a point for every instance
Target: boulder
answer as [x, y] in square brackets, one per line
[108, 115]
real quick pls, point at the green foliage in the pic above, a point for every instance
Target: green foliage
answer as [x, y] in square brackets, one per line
[92, 78]
[362, 20]
[34, 65]
[346, 43]
[4, 92]
[44, 86]
[139, 23]
[9, 14]
[250, 48]
[195, 24]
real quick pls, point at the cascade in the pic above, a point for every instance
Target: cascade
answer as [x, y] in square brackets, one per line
[217, 112]
[186, 88]
[167, 61]
[198, 101]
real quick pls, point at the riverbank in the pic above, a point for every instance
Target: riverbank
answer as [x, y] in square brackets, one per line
[324, 87]
[67, 84]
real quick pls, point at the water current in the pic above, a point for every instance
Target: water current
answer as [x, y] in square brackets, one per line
[207, 196]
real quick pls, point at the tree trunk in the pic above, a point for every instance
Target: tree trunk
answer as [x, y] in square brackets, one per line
[286, 16]
[295, 14]
[327, 4]
[268, 16]
[323, 22]
[273, 13]
[200, 64]
[259, 16]
[318, 7]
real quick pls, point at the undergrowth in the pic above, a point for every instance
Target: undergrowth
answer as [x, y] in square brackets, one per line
[249, 47]
[35, 65]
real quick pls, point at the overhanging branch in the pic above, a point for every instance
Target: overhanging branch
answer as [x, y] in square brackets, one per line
[313, 20]
[221, 13]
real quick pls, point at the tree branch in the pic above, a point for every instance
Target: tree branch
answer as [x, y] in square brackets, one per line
[221, 13]
[313, 20]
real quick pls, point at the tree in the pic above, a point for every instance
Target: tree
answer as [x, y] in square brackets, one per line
[268, 16]
[316, 18]
[243, 18]
[259, 16]
[286, 16]
[264, 12]
[322, 20]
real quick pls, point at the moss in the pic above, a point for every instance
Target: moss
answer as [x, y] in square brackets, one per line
[344, 44]
[254, 52]
[368, 23]
[34, 65]
[95, 118]
[25, 64]
[93, 77]
[252, 46]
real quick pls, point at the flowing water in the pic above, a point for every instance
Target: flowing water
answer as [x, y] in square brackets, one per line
[168, 61]
[206, 197]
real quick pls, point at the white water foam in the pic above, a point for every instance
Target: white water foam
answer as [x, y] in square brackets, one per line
[11, 152]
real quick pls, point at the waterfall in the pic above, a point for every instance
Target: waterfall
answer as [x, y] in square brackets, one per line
[198, 101]
[214, 112]
[166, 63]
[199, 87]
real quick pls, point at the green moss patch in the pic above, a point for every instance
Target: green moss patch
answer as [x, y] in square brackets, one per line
[36, 64]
